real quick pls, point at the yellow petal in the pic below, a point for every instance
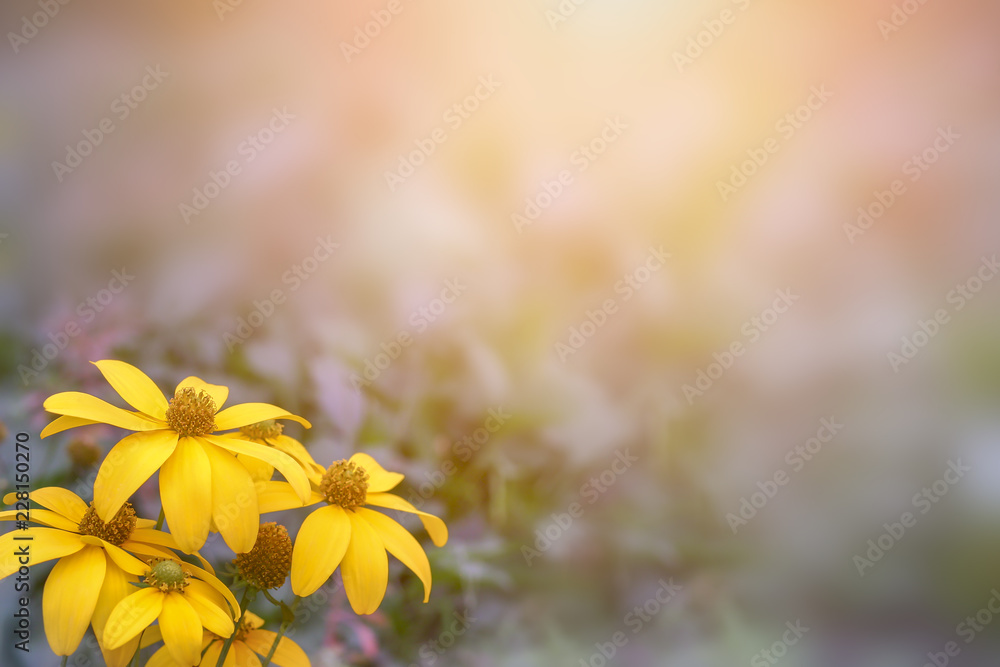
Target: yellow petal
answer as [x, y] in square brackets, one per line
[122, 559]
[400, 544]
[210, 607]
[144, 549]
[234, 500]
[217, 585]
[181, 629]
[211, 655]
[379, 479]
[131, 616]
[244, 656]
[259, 470]
[162, 658]
[150, 635]
[43, 517]
[294, 448]
[70, 596]
[218, 392]
[288, 653]
[121, 656]
[85, 406]
[130, 463]
[285, 464]
[44, 545]
[57, 499]
[245, 414]
[186, 494]
[365, 567]
[153, 536]
[115, 588]
[277, 496]
[60, 424]
[435, 527]
[319, 548]
[134, 387]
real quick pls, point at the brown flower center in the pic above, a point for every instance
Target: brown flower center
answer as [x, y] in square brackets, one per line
[166, 575]
[191, 412]
[346, 484]
[267, 565]
[115, 531]
[262, 430]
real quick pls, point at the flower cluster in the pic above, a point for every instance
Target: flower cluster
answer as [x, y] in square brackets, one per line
[136, 584]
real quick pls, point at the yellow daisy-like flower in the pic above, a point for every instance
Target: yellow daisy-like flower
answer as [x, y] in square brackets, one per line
[185, 599]
[94, 568]
[250, 641]
[346, 533]
[269, 433]
[200, 478]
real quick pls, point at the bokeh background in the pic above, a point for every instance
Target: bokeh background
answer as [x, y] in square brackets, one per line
[677, 118]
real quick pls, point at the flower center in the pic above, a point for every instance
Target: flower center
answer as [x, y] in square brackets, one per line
[166, 575]
[346, 484]
[262, 430]
[115, 531]
[267, 565]
[191, 412]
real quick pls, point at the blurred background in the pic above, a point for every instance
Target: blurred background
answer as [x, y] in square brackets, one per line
[667, 308]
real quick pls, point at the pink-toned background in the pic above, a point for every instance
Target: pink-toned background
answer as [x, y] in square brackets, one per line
[671, 135]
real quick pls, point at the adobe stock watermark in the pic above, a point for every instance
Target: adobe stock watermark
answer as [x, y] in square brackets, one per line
[454, 117]
[562, 12]
[462, 450]
[914, 167]
[926, 330]
[777, 650]
[223, 7]
[899, 16]
[752, 329]
[968, 629]
[581, 158]
[248, 150]
[636, 620]
[121, 107]
[431, 651]
[364, 34]
[704, 38]
[294, 277]
[630, 283]
[797, 457]
[786, 127]
[30, 25]
[420, 319]
[923, 502]
[86, 312]
[590, 491]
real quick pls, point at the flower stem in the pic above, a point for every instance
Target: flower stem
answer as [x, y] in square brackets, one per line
[248, 595]
[65, 659]
[138, 649]
[282, 630]
[159, 521]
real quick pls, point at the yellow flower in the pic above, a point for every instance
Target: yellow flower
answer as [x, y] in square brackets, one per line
[94, 568]
[200, 479]
[184, 599]
[250, 640]
[346, 533]
[269, 433]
